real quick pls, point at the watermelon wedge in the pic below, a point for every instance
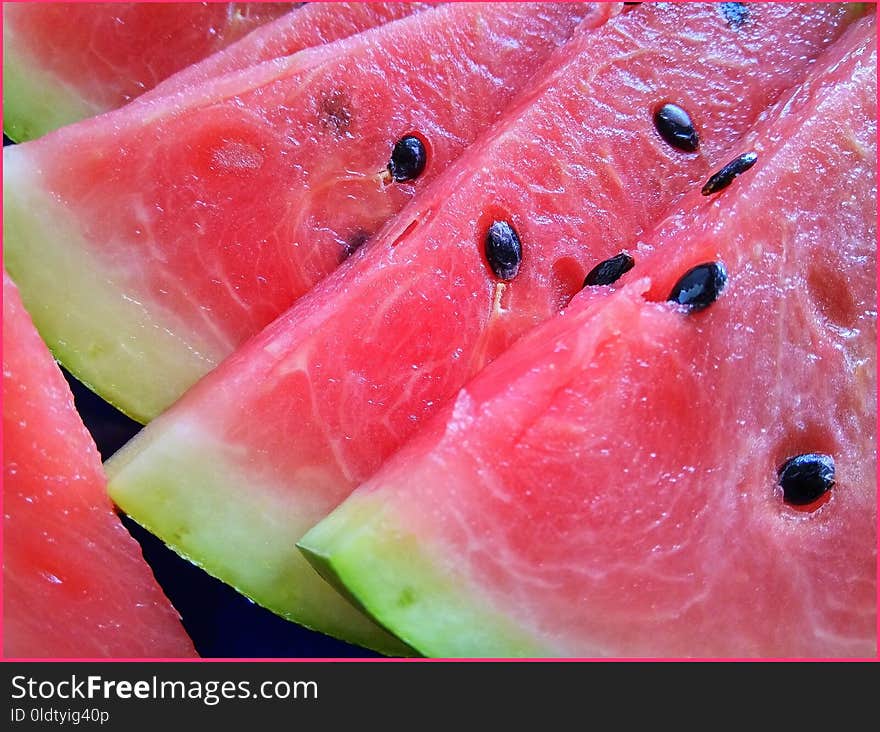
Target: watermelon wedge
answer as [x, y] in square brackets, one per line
[611, 486]
[74, 582]
[292, 422]
[184, 224]
[63, 62]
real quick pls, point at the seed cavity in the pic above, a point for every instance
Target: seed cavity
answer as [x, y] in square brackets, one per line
[700, 286]
[566, 281]
[408, 159]
[336, 111]
[736, 14]
[806, 478]
[828, 285]
[410, 228]
[609, 271]
[676, 128]
[503, 250]
[355, 242]
[724, 177]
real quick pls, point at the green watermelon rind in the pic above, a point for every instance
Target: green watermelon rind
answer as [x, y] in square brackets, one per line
[85, 307]
[194, 506]
[34, 101]
[363, 551]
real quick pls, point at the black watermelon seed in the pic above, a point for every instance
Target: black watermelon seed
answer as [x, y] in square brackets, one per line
[735, 14]
[676, 128]
[724, 177]
[609, 271]
[806, 478]
[700, 286]
[408, 159]
[503, 250]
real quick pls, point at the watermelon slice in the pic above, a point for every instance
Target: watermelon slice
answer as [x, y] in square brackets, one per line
[610, 485]
[287, 426]
[63, 62]
[74, 582]
[184, 224]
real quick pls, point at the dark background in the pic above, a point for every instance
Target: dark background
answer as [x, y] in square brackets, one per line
[221, 622]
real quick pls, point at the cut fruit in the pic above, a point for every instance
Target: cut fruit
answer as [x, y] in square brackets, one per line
[611, 486]
[63, 62]
[296, 418]
[268, 530]
[192, 220]
[74, 582]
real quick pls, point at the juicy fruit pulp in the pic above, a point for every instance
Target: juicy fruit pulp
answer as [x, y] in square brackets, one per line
[610, 485]
[63, 62]
[74, 582]
[286, 427]
[313, 24]
[185, 223]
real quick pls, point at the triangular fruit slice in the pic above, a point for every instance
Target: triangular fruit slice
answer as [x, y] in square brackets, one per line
[63, 62]
[285, 428]
[643, 478]
[182, 225]
[74, 582]
[312, 25]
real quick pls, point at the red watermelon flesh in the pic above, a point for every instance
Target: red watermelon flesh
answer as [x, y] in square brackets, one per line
[311, 25]
[185, 224]
[74, 582]
[609, 485]
[67, 61]
[286, 427]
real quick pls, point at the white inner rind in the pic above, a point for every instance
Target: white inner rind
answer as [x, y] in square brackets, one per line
[185, 487]
[35, 101]
[398, 578]
[101, 334]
